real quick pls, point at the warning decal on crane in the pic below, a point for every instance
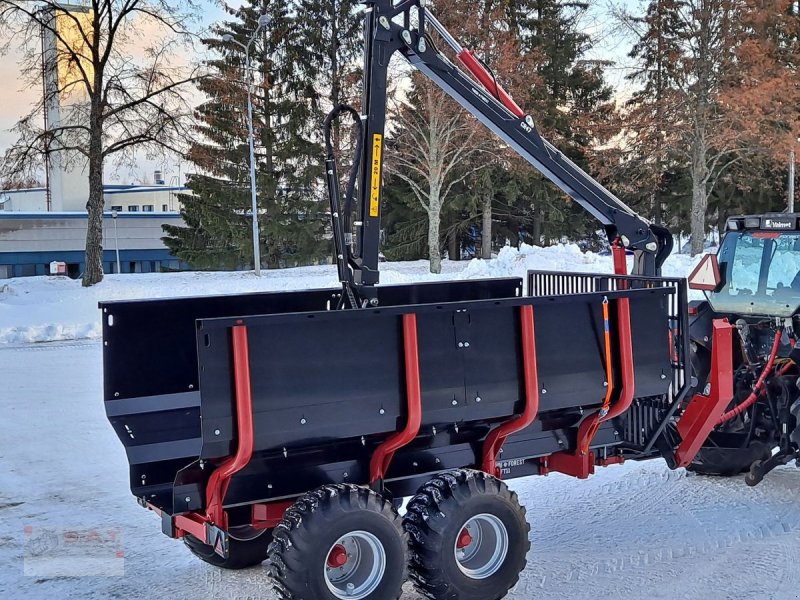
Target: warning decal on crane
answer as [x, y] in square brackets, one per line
[375, 184]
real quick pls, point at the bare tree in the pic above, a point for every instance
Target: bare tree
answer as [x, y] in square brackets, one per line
[438, 147]
[119, 80]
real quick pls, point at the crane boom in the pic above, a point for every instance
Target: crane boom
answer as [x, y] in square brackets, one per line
[389, 28]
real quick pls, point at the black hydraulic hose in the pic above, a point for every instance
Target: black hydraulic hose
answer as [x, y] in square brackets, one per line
[353, 176]
[342, 215]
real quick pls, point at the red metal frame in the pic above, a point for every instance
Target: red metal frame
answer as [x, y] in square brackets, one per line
[382, 458]
[267, 516]
[620, 259]
[221, 477]
[702, 413]
[473, 65]
[196, 522]
[495, 440]
[582, 462]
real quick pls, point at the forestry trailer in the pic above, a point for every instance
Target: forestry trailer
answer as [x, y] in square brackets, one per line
[290, 426]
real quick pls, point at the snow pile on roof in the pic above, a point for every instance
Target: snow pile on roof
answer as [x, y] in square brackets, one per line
[46, 309]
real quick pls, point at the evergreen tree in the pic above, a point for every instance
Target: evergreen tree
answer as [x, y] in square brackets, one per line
[719, 78]
[288, 159]
[572, 106]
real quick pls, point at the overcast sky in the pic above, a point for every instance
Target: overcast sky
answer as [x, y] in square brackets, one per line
[15, 101]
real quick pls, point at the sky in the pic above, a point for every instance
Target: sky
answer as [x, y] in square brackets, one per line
[16, 100]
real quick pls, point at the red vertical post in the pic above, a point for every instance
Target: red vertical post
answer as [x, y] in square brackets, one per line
[221, 477]
[495, 440]
[382, 458]
[701, 414]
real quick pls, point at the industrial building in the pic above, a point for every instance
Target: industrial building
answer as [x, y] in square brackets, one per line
[30, 241]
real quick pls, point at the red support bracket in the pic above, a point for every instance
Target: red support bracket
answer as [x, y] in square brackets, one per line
[702, 413]
[268, 515]
[581, 463]
[221, 477]
[382, 458]
[495, 440]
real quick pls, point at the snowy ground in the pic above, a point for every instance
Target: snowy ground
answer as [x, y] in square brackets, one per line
[44, 309]
[636, 531]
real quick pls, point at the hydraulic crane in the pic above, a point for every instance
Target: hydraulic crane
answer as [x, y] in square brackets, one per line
[406, 28]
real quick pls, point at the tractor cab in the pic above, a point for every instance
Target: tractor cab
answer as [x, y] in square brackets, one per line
[757, 269]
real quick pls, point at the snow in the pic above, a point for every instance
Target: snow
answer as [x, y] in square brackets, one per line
[637, 531]
[48, 309]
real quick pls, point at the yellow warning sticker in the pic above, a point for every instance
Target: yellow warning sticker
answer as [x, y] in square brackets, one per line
[375, 185]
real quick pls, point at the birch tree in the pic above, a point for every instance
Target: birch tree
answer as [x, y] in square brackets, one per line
[438, 146]
[119, 61]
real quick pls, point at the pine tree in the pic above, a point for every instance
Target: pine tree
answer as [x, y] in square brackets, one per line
[651, 109]
[571, 104]
[288, 159]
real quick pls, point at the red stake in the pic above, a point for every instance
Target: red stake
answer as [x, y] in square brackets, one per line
[221, 477]
[384, 453]
[495, 440]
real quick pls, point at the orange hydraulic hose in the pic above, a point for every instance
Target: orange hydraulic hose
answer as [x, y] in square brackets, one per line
[588, 429]
[609, 368]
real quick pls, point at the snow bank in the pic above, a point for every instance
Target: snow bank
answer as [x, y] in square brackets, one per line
[47, 309]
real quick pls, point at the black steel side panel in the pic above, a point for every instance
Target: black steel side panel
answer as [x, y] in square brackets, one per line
[321, 377]
[151, 381]
[328, 387]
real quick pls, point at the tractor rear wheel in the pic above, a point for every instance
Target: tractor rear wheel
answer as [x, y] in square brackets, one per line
[339, 542]
[243, 552]
[469, 537]
[726, 462]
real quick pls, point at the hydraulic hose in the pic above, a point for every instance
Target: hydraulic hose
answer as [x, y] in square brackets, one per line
[353, 176]
[342, 215]
[758, 388]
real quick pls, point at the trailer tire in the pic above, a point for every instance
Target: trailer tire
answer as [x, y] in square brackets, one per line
[339, 542]
[727, 462]
[468, 537]
[242, 553]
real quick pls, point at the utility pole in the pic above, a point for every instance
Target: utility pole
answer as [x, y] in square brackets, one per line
[263, 21]
[791, 181]
[116, 239]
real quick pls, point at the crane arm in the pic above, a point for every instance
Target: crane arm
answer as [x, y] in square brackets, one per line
[389, 29]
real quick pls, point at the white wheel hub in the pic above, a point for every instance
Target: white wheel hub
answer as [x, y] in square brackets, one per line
[355, 565]
[481, 546]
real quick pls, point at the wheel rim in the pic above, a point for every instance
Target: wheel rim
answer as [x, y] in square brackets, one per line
[354, 565]
[481, 546]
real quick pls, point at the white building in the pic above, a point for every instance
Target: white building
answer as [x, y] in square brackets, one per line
[123, 198]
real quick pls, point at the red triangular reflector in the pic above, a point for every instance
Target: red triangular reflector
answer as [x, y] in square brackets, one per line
[706, 274]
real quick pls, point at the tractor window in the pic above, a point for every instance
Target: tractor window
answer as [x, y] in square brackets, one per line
[744, 271]
[761, 273]
[784, 267]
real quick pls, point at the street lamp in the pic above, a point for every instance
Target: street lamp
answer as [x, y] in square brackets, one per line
[116, 238]
[263, 21]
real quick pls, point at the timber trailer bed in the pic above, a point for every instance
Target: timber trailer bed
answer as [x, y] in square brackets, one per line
[291, 426]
